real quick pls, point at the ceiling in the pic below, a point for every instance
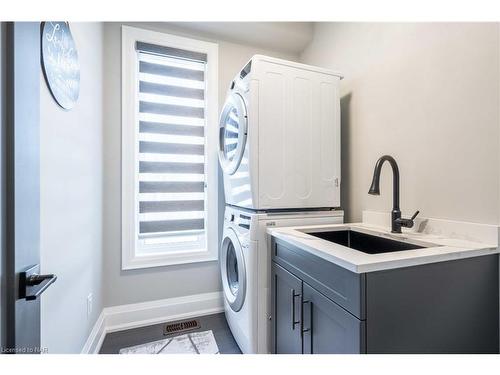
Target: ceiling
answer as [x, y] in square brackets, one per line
[289, 37]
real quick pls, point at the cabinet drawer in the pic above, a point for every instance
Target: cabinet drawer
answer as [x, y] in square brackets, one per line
[344, 287]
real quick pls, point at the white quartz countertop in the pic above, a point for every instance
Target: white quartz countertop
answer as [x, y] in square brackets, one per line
[437, 247]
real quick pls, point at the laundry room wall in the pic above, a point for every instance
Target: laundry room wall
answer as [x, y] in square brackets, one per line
[428, 94]
[131, 286]
[71, 200]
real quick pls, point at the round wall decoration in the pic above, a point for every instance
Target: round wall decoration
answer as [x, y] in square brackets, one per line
[60, 63]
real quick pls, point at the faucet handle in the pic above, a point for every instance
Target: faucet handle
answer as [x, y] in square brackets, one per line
[415, 215]
[407, 223]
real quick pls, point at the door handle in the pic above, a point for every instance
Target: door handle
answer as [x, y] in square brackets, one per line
[292, 298]
[32, 285]
[37, 279]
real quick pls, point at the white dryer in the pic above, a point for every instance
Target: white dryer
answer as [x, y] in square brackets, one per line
[245, 264]
[279, 136]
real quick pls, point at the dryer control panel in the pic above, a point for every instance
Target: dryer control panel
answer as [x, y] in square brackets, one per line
[244, 72]
[241, 220]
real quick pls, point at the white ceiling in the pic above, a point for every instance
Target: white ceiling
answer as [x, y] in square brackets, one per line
[289, 37]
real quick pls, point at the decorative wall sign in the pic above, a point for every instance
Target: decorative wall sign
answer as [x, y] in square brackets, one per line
[60, 63]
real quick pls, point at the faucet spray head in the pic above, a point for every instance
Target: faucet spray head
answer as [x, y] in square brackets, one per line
[375, 186]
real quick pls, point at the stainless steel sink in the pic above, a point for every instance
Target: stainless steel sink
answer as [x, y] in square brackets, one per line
[363, 242]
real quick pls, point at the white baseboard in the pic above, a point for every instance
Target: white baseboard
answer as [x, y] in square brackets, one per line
[119, 318]
[96, 337]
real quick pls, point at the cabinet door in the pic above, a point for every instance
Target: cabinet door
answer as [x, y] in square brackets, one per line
[286, 311]
[328, 328]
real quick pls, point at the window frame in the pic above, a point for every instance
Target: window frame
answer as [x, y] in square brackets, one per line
[129, 183]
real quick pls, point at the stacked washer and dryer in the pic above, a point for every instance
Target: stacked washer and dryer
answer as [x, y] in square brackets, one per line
[279, 149]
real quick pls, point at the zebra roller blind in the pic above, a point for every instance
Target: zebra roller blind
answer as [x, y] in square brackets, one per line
[171, 147]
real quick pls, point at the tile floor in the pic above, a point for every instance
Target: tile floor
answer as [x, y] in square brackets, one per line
[114, 341]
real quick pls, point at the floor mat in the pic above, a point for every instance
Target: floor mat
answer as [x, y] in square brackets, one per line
[189, 343]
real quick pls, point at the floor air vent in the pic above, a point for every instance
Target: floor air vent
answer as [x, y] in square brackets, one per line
[181, 326]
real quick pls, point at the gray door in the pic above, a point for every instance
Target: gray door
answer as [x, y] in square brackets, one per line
[24, 285]
[328, 328]
[286, 306]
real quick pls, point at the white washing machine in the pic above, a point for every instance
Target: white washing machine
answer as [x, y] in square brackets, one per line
[245, 264]
[279, 136]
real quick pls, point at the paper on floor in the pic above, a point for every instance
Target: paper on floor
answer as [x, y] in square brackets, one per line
[189, 343]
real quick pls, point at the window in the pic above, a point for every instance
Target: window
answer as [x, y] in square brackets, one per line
[169, 149]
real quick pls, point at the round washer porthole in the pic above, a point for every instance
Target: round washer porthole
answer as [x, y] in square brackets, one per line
[233, 273]
[232, 133]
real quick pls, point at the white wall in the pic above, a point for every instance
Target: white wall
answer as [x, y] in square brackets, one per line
[122, 287]
[71, 200]
[289, 37]
[428, 94]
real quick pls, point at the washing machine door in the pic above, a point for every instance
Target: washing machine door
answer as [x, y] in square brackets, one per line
[232, 264]
[232, 133]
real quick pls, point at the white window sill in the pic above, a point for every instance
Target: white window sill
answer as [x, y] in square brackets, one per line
[162, 260]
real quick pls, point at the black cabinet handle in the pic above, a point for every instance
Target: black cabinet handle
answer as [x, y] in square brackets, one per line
[292, 298]
[307, 343]
[304, 330]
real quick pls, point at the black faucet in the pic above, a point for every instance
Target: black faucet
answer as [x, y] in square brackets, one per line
[396, 221]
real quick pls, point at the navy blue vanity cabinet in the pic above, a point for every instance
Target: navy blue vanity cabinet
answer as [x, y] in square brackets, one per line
[443, 307]
[305, 321]
[287, 289]
[316, 305]
[327, 327]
